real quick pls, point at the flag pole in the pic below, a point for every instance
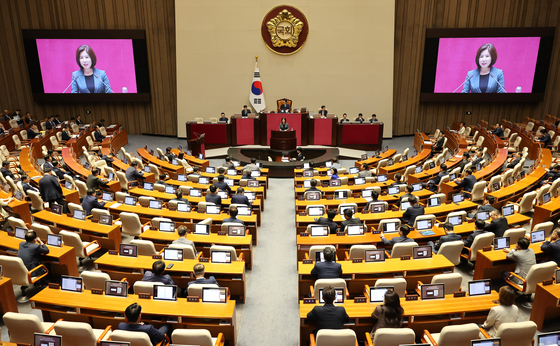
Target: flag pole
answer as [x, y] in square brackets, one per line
[257, 60]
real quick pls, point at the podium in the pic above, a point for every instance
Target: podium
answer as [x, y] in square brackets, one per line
[283, 140]
[196, 145]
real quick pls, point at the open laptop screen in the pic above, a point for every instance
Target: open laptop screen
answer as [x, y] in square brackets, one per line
[54, 240]
[483, 215]
[432, 291]
[480, 287]
[166, 226]
[456, 220]
[319, 231]
[313, 196]
[129, 200]
[20, 233]
[501, 243]
[234, 230]
[56, 208]
[214, 294]
[423, 224]
[434, 201]
[390, 227]
[107, 196]
[71, 283]
[375, 255]
[355, 229]
[537, 236]
[421, 252]
[221, 257]
[170, 254]
[486, 342]
[129, 250]
[116, 288]
[508, 210]
[377, 207]
[548, 339]
[165, 292]
[184, 207]
[202, 229]
[315, 211]
[47, 340]
[114, 343]
[79, 214]
[377, 294]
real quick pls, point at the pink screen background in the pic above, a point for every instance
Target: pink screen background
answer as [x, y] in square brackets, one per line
[57, 58]
[517, 57]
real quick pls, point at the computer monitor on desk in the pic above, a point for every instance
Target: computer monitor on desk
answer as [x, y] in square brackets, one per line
[480, 287]
[423, 224]
[116, 288]
[419, 252]
[71, 284]
[378, 207]
[338, 296]
[434, 202]
[486, 342]
[548, 339]
[483, 215]
[537, 236]
[128, 250]
[375, 255]
[313, 196]
[165, 292]
[214, 294]
[47, 340]
[501, 243]
[315, 211]
[319, 231]
[432, 291]
[377, 294]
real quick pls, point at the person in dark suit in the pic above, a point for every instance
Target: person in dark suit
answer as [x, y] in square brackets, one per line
[434, 183]
[498, 225]
[327, 269]
[466, 159]
[31, 132]
[221, 185]
[179, 197]
[133, 314]
[132, 174]
[478, 159]
[240, 198]
[284, 126]
[350, 219]
[233, 216]
[552, 174]
[552, 246]
[65, 133]
[284, 107]
[360, 118]
[57, 120]
[328, 316]
[47, 163]
[79, 120]
[397, 181]
[157, 274]
[223, 118]
[329, 221]
[27, 119]
[545, 138]
[313, 187]
[90, 201]
[438, 146]
[98, 136]
[246, 111]
[213, 196]
[449, 236]
[411, 213]
[50, 190]
[323, 112]
[404, 230]
[486, 206]
[59, 171]
[374, 199]
[198, 271]
[5, 170]
[101, 122]
[25, 183]
[169, 154]
[485, 78]
[468, 181]
[299, 156]
[479, 229]
[498, 131]
[31, 252]
[49, 124]
[409, 189]
[513, 161]
[373, 119]
[344, 118]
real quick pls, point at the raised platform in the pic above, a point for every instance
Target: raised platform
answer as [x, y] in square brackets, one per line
[276, 168]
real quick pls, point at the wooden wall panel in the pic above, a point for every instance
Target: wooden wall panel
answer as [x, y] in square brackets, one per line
[412, 20]
[156, 17]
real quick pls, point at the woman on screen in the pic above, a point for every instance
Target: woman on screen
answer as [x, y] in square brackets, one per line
[88, 79]
[284, 125]
[389, 314]
[486, 78]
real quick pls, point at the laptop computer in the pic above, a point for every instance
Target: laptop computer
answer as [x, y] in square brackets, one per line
[423, 224]
[79, 214]
[116, 288]
[377, 294]
[172, 254]
[183, 207]
[315, 211]
[71, 284]
[56, 208]
[390, 227]
[221, 257]
[236, 230]
[501, 243]
[480, 287]
[155, 204]
[458, 198]
[128, 250]
[214, 294]
[434, 201]
[483, 215]
[114, 343]
[54, 240]
[335, 182]
[432, 291]
[486, 342]
[319, 231]
[40, 339]
[313, 196]
[340, 194]
[148, 186]
[201, 229]
[355, 229]
[375, 255]
[394, 190]
[456, 220]
[106, 220]
[166, 226]
[417, 187]
[537, 236]
[419, 252]
[20, 232]
[382, 178]
[212, 209]
[129, 200]
[508, 210]
[107, 196]
[165, 292]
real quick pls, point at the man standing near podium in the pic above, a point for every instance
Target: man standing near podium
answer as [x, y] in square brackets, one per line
[284, 107]
[245, 112]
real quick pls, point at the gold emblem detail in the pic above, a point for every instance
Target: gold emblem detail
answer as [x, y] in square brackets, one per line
[284, 29]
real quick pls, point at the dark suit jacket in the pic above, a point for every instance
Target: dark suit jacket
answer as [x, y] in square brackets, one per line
[513, 163]
[470, 238]
[213, 198]
[406, 195]
[30, 253]
[477, 161]
[553, 250]
[244, 113]
[27, 187]
[498, 132]
[299, 157]
[412, 213]
[65, 136]
[210, 280]
[240, 199]
[31, 134]
[222, 186]
[79, 122]
[98, 136]
[49, 125]
[468, 183]
[59, 173]
[547, 141]
[326, 221]
[498, 226]
[132, 174]
[328, 316]
[155, 335]
[90, 202]
[352, 221]
[49, 188]
[395, 240]
[7, 173]
[327, 270]
[439, 143]
[449, 237]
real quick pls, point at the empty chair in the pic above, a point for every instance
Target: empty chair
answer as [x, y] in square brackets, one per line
[391, 337]
[188, 251]
[95, 212]
[359, 251]
[122, 180]
[145, 247]
[460, 335]
[515, 234]
[202, 206]
[540, 194]
[159, 187]
[452, 281]
[120, 196]
[36, 201]
[154, 169]
[526, 204]
[42, 231]
[131, 224]
[13, 268]
[157, 220]
[144, 287]
[74, 206]
[517, 333]
[80, 333]
[331, 337]
[82, 188]
[145, 200]
[200, 337]
[452, 251]
[462, 214]
[94, 279]
[544, 226]
[82, 250]
[477, 193]
[398, 284]
[15, 222]
[408, 171]
[402, 249]
[21, 327]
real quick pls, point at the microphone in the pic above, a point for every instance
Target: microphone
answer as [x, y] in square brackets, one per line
[96, 76]
[462, 83]
[73, 79]
[492, 75]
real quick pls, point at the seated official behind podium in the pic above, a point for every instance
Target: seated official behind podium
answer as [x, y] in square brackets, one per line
[284, 107]
[552, 246]
[411, 213]
[233, 216]
[240, 198]
[404, 230]
[373, 119]
[245, 112]
[323, 112]
[157, 275]
[213, 196]
[329, 221]
[182, 240]
[223, 118]
[360, 118]
[328, 316]
[389, 314]
[344, 118]
[327, 269]
[198, 271]
[284, 126]
[133, 314]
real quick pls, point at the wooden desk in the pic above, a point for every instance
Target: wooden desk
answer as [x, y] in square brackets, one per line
[263, 179]
[546, 304]
[491, 264]
[121, 166]
[423, 144]
[165, 166]
[422, 314]
[242, 245]
[259, 191]
[80, 170]
[547, 211]
[100, 311]
[147, 214]
[231, 275]
[193, 161]
[109, 237]
[328, 191]
[359, 274]
[7, 296]
[372, 161]
[119, 139]
[62, 259]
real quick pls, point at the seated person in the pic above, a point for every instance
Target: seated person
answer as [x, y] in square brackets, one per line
[397, 181]
[498, 131]
[179, 197]
[334, 173]
[162, 178]
[467, 182]
[240, 198]
[486, 206]
[157, 274]
[373, 119]
[335, 163]
[223, 118]
[93, 181]
[498, 225]
[374, 199]
[133, 314]
[246, 111]
[479, 229]
[552, 174]
[247, 175]
[438, 146]
[478, 159]
[506, 312]
[327, 269]
[221, 185]
[408, 193]
[364, 171]
[433, 184]
[233, 216]
[313, 187]
[229, 163]
[90, 201]
[284, 107]
[213, 196]
[132, 174]
[523, 256]
[98, 136]
[404, 230]
[329, 221]
[198, 271]
[182, 240]
[169, 154]
[344, 118]
[389, 314]
[30, 132]
[328, 316]
[360, 118]
[25, 183]
[466, 159]
[545, 138]
[252, 166]
[323, 112]
[449, 236]
[552, 246]
[513, 160]
[299, 156]
[65, 134]
[58, 170]
[411, 213]
[350, 219]
[6, 172]
[31, 250]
